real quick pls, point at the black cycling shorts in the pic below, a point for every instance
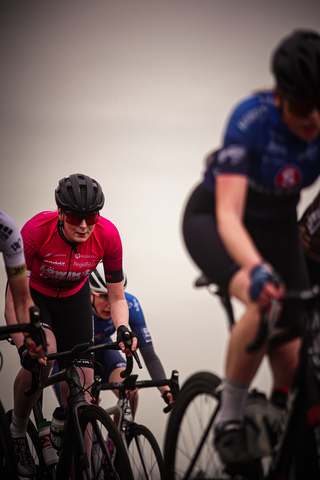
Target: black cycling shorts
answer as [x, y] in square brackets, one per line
[276, 239]
[70, 318]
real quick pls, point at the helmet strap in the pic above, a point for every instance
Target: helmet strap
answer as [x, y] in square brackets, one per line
[73, 245]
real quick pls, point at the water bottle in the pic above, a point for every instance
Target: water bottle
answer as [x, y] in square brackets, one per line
[57, 427]
[49, 454]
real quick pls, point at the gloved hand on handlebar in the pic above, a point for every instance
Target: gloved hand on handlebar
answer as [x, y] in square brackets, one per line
[34, 349]
[265, 285]
[128, 341]
[168, 398]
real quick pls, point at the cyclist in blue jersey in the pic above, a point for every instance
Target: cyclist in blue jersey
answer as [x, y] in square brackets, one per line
[111, 361]
[240, 224]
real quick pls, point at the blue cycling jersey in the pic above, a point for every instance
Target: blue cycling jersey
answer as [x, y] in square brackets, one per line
[259, 145]
[137, 323]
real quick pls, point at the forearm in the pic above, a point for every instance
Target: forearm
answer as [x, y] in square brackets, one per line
[231, 195]
[119, 313]
[11, 317]
[153, 363]
[237, 241]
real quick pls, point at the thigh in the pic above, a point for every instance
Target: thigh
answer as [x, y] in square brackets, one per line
[202, 239]
[106, 362]
[278, 242]
[71, 319]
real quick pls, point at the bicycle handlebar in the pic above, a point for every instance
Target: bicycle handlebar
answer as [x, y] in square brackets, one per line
[73, 354]
[131, 383]
[268, 317]
[34, 329]
[36, 332]
[86, 348]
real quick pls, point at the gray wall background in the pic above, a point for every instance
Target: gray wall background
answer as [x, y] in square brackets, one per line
[134, 93]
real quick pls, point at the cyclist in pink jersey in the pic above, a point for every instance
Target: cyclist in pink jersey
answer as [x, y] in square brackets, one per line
[62, 248]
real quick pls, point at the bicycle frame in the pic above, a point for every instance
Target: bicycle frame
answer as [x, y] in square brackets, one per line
[304, 396]
[133, 433]
[76, 401]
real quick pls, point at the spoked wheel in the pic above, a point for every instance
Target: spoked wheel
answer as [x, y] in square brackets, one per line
[109, 458]
[189, 453]
[144, 454]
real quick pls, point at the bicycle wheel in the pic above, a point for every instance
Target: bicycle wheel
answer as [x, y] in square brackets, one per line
[35, 448]
[8, 468]
[189, 452]
[99, 426]
[144, 454]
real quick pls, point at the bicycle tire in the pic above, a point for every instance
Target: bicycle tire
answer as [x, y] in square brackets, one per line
[195, 408]
[8, 467]
[144, 454]
[101, 421]
[35, 448]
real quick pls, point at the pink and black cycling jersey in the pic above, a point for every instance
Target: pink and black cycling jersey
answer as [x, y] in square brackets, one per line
[60, 268]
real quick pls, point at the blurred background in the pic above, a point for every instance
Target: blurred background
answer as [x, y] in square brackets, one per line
[134, 93]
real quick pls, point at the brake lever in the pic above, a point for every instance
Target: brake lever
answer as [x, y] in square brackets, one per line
[128, 344]
[35, 382]
[174, 389]
[267, 323]
[36, 330]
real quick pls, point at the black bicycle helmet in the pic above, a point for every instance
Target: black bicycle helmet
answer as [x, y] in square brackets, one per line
[296, 64]
[79, 193]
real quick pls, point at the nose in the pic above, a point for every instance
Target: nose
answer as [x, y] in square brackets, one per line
[315, 115]
[83, 223]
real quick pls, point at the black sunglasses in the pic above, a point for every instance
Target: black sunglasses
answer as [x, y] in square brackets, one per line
[76, 218]
[302, 106]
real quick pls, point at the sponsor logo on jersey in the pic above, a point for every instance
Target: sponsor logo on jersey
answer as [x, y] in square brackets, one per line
[146, 335]
[5, 232]
[16, 246]
[59, 264]
[250, 117]
[232, 154]
[289, 177]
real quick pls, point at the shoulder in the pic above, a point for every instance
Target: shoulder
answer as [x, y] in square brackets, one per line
[104, 226]
[40, 226]
[130, 298]
[7, 224]
[12, 246]
[253, 109]
[42, 219]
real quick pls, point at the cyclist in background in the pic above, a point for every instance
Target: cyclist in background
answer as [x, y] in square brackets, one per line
[111, 361]
[62, 248]
[309, 230]
[240, 224]
[18, 304]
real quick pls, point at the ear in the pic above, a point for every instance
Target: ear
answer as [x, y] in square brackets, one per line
[60, 213]
[277, 99]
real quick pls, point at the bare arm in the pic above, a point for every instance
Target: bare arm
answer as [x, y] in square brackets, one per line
[119, 308]
[231, 194]
[17, 304]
